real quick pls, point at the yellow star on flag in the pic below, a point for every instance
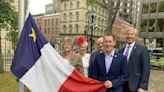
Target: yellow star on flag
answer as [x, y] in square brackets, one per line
[33, 34]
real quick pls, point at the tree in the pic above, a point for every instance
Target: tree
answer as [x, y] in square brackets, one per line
[8, 21]
[111, 12]
[13, 37]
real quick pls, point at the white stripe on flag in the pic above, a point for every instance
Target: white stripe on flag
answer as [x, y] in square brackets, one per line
[50, 71]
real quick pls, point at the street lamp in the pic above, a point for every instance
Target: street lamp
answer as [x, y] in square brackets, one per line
[92, 22]
[91, 17]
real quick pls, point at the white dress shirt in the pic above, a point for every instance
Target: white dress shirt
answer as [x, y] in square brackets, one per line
[108, 60]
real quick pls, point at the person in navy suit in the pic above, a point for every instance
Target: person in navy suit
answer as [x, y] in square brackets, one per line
[110, 66]
[138, 63]
[93, 55]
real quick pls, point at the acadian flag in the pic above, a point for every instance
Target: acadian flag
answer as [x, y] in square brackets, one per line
[42, 69]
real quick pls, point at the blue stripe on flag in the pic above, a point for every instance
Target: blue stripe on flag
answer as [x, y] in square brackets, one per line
[28, 50]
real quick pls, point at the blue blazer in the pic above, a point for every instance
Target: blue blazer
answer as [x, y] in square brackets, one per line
[91, 63]
[138, 67]
[117, 73]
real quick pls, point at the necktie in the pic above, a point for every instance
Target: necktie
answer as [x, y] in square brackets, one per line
[127, 51]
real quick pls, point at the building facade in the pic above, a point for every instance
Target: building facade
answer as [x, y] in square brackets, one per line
[77, 19]
[53, 7]
[130, 11]
[49, 24]
[152, 23]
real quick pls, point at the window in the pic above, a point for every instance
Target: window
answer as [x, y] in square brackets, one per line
[48, 30]
[45, 32]
[153, 7]
[103, 12]
[99, 21]
[45, 22]
[77, 16]
[70, 16]
[77, 28]
[120, 14]
[65, 6]
[99, 10]
[95, 8]
[52, 22]
[77, 4]
[106, 22]
[159, 42]
[143, 25]
[65, 17]
[161, 6]
[71, 5]
[52, 29]
[56, 29]
[101, 32]
[70, 29]
[95, 19]
[98, 31]
[64, 28]
[112, 3]
[102, 22]
[56, 22]
[49, 22]
[159, 26]
[151, 27]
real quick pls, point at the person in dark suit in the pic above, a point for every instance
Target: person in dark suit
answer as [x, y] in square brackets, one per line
[138, 63]
[93, 55]
[110, 66]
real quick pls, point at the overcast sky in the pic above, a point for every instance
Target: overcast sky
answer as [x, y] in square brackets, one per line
[38, 6]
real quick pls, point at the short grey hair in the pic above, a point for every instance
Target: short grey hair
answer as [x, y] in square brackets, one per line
[132, 29]
[68, 39]
[99, 39]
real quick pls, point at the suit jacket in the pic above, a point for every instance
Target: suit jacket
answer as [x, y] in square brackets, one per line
[91, 62]
[138, 67]
[76, 62]
[117, 73]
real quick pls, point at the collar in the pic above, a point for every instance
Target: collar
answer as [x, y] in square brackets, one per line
[112, 54]
[131, 45]
[101, 51]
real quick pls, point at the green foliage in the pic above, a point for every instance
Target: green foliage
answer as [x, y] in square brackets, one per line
[13, 37]
[157, 63]
[91, 2]
[161, 60]
[8, 16]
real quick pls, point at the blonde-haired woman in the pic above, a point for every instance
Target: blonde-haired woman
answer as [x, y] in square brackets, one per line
[82, 45]
[71, 57]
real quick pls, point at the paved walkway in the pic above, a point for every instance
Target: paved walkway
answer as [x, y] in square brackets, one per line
[156, 83]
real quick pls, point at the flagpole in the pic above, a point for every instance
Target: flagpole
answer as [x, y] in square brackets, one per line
[21, 10]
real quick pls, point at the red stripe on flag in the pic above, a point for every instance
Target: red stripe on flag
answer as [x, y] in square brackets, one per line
[79, 83]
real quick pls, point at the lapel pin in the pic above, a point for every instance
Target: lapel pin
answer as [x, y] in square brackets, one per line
[115, 55]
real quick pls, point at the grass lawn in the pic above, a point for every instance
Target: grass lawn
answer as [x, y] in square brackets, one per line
[8, 82]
